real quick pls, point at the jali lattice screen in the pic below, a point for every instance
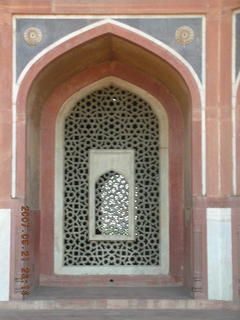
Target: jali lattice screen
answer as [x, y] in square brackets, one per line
[111, 118]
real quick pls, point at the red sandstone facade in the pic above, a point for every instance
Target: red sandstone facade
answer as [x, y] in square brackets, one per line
[204, 160]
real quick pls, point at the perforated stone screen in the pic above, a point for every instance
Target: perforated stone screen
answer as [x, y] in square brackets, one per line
[112, 201]
[111, 118]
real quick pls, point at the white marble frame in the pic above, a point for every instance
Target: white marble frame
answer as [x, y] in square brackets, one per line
[100, 162]
[219, 254]
[5, 247]
[160, 112]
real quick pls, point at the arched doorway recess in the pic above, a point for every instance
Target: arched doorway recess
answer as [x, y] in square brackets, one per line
[145, 66]
[49, 115]
[155, 92]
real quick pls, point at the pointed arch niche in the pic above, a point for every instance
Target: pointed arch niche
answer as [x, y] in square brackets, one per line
[77, 65]
[124, 160]
[172, 182]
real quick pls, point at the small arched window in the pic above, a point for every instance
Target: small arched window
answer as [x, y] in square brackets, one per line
[111, 195]
[112, 202]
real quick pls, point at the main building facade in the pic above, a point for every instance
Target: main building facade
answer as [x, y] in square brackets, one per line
[120, 134]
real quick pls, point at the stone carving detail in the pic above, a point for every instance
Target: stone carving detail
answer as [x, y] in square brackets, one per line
[112, 200]
[184, 35]
[111, 118]
[33, 36]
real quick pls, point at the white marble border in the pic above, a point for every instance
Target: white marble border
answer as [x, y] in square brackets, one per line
[164, 184]
[5, 244]
[107, 19]
[101, 161]
[219, 254]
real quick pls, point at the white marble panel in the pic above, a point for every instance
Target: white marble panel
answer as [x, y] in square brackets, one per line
[5, 220]
[103, 161]
[219, 253]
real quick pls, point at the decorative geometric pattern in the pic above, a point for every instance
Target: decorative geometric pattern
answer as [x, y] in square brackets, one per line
[112, 199]
[32, 36]
[184, 35]
[111, 118]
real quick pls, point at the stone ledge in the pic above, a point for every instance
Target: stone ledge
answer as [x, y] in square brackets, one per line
[119, 304]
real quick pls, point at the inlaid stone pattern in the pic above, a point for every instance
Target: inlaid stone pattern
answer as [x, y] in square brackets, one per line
[162, 28]
[111, 118]
[184, 35]
[33, 36]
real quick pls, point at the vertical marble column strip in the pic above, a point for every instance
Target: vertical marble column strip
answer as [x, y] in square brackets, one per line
[219, 253]
[5, 232]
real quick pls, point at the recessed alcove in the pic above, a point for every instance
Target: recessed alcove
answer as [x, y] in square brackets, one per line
[158, 75]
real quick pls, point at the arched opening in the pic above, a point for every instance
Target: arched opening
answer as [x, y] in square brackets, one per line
[73, 66]
[112, 216]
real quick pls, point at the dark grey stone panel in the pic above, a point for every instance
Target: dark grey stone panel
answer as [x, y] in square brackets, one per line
[237, 44]
[52, 29]
[162, 29]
